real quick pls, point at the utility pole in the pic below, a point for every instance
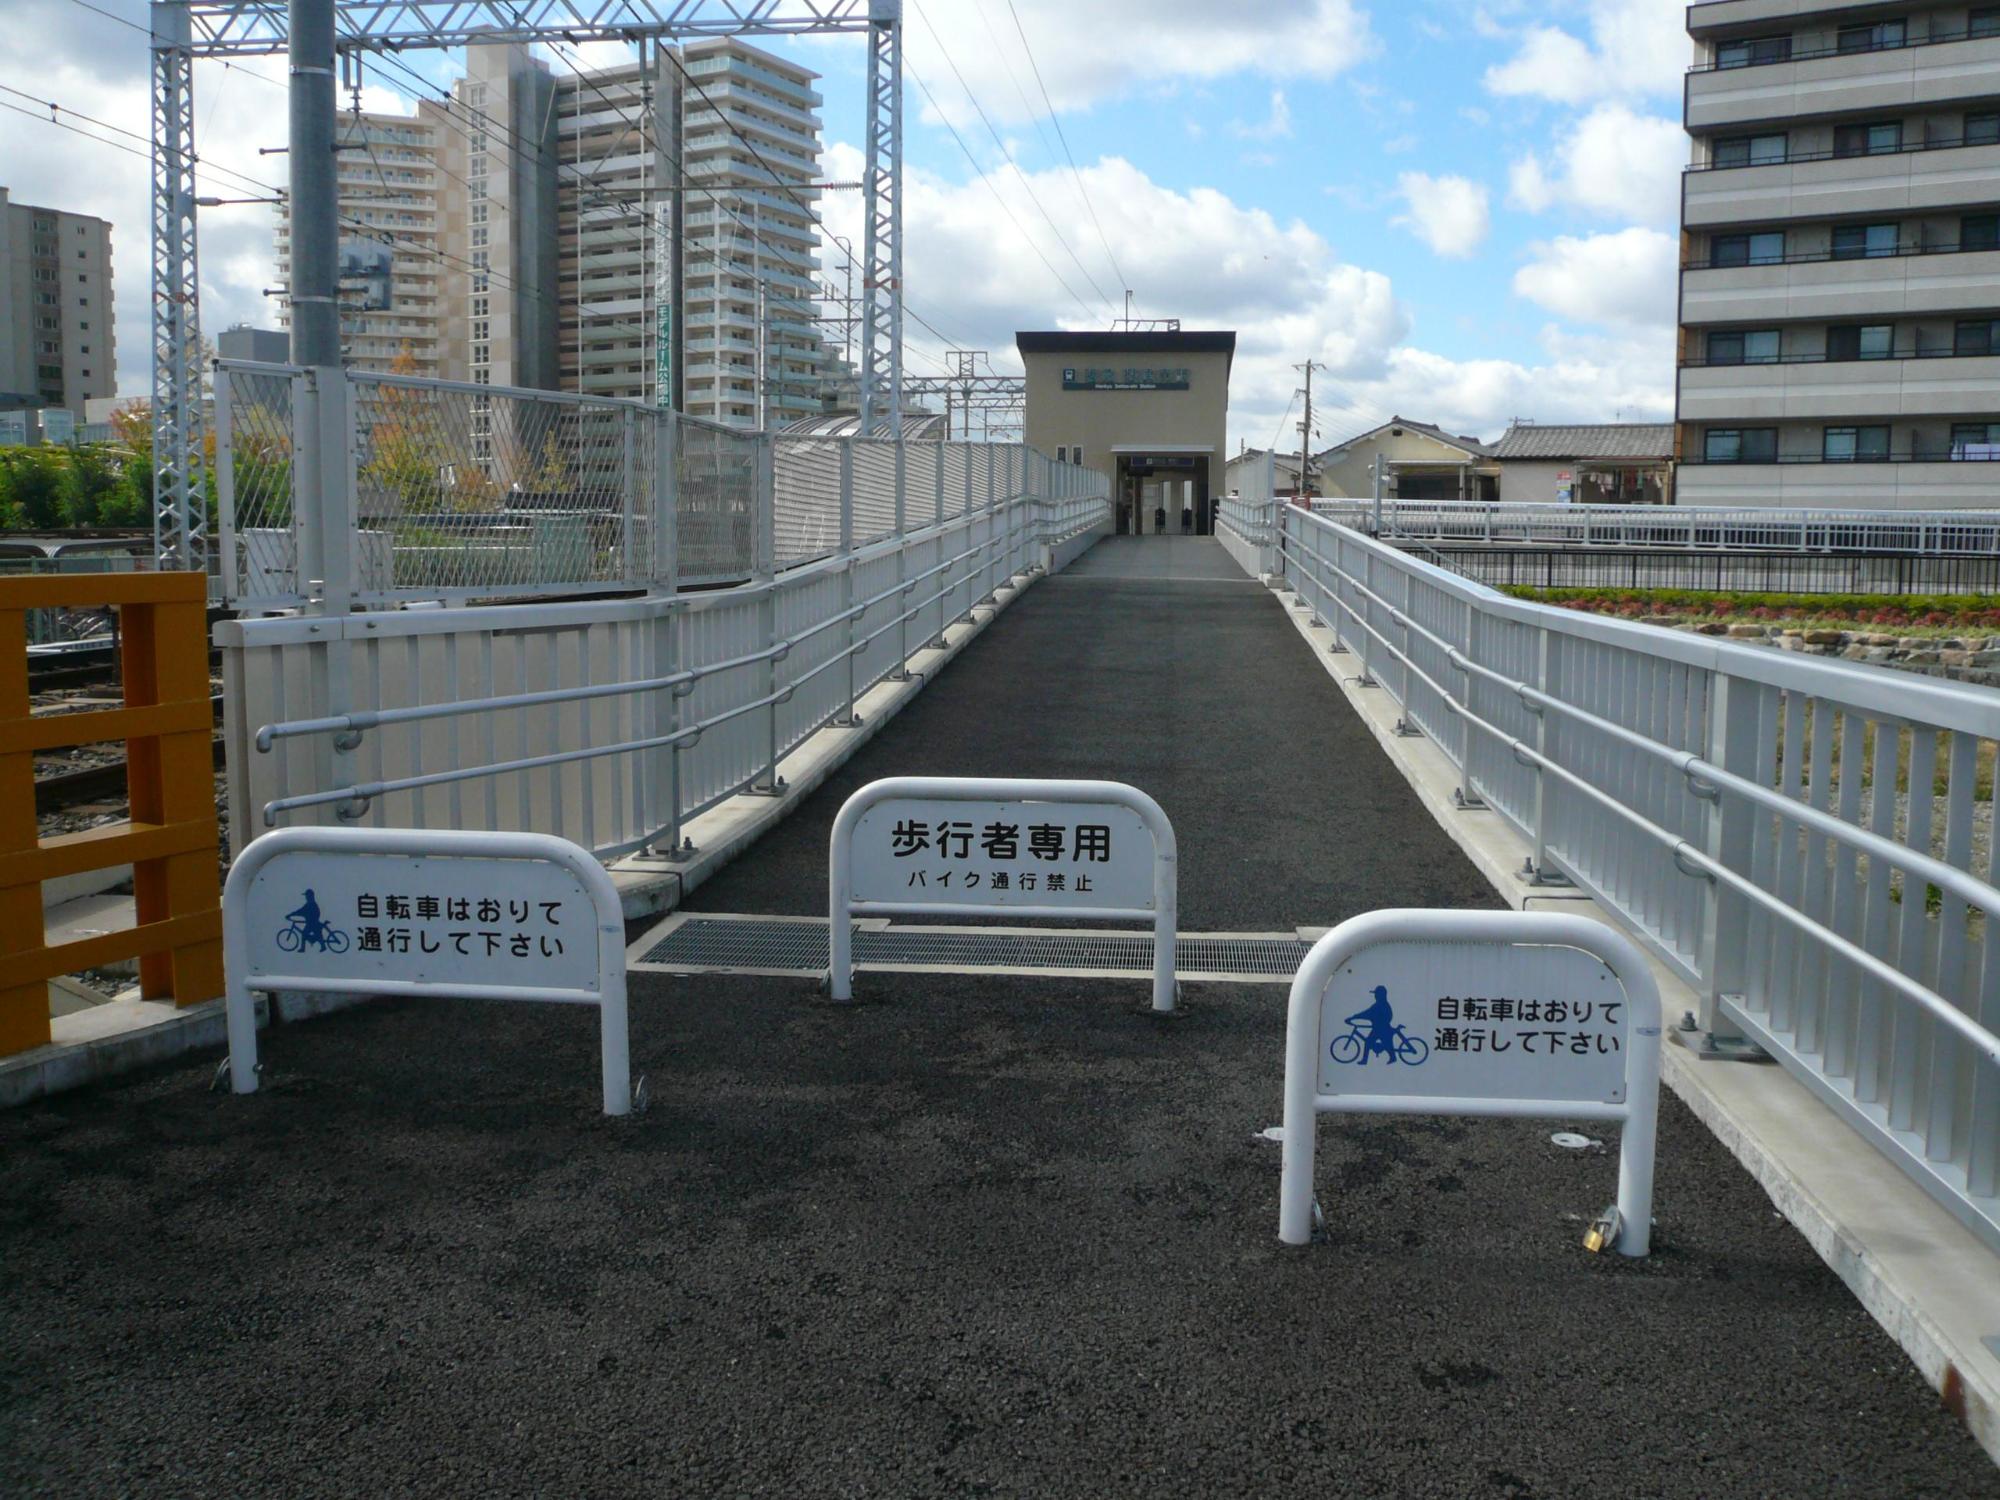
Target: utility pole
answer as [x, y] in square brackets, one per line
[1305, 431]
[315, 212]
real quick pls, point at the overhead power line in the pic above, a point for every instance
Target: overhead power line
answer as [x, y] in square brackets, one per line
[1029, 187]
[1056, 120]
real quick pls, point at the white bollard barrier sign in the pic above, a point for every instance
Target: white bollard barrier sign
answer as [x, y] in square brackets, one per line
[1474, 1013]
[457, 915]
[944, 844]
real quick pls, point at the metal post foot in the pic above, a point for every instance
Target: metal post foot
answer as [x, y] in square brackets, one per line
[1465, 801]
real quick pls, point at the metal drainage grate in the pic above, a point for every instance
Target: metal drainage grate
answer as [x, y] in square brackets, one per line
[780, 945]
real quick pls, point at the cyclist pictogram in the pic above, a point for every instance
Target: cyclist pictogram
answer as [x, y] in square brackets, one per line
[304, 929]
[1375, 1032]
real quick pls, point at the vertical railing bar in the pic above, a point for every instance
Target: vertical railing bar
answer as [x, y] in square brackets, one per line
[1942, 1082]
[1781, 975]
[1868, 1081]
[413, 665]
[1909, 1027]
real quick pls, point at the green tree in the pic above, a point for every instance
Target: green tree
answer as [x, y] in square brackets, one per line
[34, 483]
[89, 487]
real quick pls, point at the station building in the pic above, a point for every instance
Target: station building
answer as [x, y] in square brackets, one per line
[1147, 410]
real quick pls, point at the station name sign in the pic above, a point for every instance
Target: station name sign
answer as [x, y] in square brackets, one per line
[1124, 378]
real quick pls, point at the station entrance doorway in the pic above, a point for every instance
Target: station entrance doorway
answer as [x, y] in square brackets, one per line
[1162, 494]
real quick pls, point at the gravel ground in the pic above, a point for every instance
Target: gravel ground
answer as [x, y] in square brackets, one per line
[972, 1236]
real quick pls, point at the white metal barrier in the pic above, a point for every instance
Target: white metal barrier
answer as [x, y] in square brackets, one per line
[1015, 871]
[608, 722]
[396, 912]
[1794, 836]
[1594, 1065]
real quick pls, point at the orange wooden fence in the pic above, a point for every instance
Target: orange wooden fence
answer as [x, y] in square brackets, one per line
[170, 838]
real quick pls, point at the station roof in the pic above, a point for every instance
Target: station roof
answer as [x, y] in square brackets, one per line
[1087, 341]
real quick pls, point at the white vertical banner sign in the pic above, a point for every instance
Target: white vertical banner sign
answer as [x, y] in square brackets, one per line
[453, 915]
[1475, 1013]
[943, 844]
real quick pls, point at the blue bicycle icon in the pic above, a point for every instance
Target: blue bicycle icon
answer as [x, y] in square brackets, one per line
[303, 929]
[1373, 1031]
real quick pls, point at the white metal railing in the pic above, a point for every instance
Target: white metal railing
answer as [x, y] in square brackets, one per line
[1967, 533]
[1808, 843]
[607, 722]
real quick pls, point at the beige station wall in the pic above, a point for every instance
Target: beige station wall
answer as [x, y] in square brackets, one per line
[1098, 421]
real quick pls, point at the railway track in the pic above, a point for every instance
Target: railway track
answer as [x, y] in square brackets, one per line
[65, 789]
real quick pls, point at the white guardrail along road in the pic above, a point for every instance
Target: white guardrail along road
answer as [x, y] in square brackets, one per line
[1808, 843]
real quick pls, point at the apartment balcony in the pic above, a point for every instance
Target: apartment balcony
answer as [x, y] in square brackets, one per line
[1893, 285]
[1872, 388]
[1939, 73]
[1910, 181]
[1904, 485]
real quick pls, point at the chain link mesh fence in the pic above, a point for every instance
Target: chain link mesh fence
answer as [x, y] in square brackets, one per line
[473, 491]
[254, 453]
[716, 474]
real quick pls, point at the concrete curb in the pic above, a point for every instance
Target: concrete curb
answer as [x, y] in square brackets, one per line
[1918, 1272]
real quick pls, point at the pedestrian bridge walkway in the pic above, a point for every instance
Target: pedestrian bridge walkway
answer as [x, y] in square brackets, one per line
[978, 1233]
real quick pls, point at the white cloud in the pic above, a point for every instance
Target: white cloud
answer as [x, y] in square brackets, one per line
[1279, 286]
[1528, 185]
[1635, 46]
[1624, 278]
[1277, 124]
[1108, 49]
[1612, 162]
[1447, 213]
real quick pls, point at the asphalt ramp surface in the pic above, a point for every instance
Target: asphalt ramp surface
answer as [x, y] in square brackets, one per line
[970, 1236]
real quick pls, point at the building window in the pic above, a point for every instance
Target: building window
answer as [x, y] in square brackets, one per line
[1740, 445]
[1984, 21]
[1979, 232]
[1860, 341]
[1982, 130]
[1738, 348]
[1868, 140]
[1749, 150]
[1863, 241]
[1975, 440]
[1976, 336]
[1766, 249]
[1847, 445]
[1875, 38]
[1753, 51]
[1076, 454]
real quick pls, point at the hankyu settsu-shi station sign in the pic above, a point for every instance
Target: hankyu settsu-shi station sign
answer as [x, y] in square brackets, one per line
[1475, 1013]
[938, 844]
[499, 916]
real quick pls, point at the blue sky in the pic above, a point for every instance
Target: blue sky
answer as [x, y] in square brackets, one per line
[1465, 209]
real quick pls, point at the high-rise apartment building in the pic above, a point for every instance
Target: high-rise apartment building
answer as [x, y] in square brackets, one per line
[498, 221]
[722, 134]
[750, 150]
[56, 346]
[1840, 283]
[391, 273]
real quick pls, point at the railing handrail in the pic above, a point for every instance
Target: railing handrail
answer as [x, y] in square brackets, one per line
[360, 794]
[1968, 888]
[1882, 691]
